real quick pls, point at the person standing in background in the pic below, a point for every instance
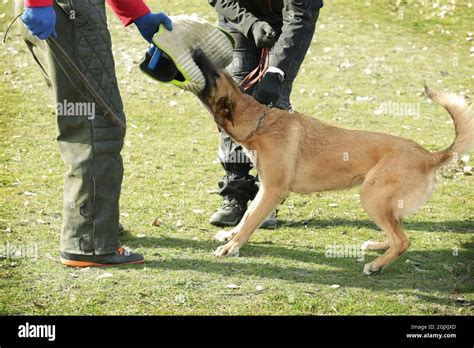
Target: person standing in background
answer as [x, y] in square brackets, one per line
[287, 28]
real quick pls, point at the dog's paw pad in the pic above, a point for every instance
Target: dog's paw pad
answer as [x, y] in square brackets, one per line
[226, 251]
[234, 252]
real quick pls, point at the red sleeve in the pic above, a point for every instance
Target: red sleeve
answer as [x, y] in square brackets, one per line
[127, 10]
[38, 3]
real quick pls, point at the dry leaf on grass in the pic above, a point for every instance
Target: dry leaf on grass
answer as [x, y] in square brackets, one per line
[105, 275]
[232, 286]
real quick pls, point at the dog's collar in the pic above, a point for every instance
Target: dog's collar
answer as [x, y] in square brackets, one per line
[260, 121]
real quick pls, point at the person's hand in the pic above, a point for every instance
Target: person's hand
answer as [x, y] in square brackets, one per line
[263, 34]
[148, 24]
[40, 21]
[269, 88]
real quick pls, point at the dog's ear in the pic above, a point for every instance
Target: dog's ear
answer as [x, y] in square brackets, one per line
[225, 109]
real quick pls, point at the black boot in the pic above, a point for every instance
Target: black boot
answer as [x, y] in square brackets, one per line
[231, 212]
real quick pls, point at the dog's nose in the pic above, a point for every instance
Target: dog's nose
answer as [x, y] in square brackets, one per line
[198, 56]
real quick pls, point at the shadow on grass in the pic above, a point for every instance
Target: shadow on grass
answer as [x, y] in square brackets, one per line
[346, 272]
[459, 226]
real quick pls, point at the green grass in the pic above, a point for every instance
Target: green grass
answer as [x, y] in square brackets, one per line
[170, 165]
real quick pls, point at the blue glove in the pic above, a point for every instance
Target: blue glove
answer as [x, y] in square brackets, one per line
[148, 24]
[40, 21]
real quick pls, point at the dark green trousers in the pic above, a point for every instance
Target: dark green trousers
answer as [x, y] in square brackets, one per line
[89, 145]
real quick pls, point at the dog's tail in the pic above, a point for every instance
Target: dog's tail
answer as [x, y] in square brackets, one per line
[460, 112]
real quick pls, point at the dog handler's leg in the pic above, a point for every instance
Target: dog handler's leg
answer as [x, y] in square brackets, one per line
[237, 186]
[88, 143]
[265, 202]
[300, 54]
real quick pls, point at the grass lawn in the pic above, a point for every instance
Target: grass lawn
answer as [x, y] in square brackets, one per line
[364, 54]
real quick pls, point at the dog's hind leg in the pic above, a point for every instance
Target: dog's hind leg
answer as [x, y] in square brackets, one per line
[398, 245]
[265, 202]
[378, 197]
[376, 246]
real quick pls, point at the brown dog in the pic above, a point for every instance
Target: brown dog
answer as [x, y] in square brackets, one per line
[300, 154]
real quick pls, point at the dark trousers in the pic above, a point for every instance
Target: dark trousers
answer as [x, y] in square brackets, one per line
[89, 145]
[237, 180]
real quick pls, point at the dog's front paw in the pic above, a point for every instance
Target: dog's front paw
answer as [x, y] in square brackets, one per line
[371, 268]
[224, 236]
[230, 249]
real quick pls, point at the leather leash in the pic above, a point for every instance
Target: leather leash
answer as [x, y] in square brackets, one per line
[56, 50]
[255, 75]
[108, 112]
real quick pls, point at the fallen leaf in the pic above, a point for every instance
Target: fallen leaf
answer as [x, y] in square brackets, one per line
[416, 264]
[39, 305]
[346, 64]
[364, 99]
[180, 298]
[105, 275]
[232, 286]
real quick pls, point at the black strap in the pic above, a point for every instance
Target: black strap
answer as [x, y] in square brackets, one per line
[108, 112]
